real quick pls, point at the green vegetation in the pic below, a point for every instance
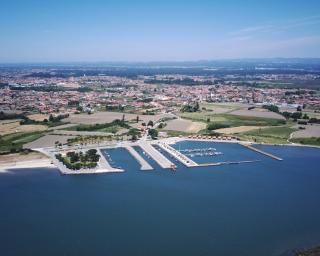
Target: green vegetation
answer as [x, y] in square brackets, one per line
[213, 126]
[77, 160]
[112, 127]
[272, 108]
[153, 133]
[13, 143]
[87, 139]
[9, 116]
[53, 120]
[171, 133]
[274, 135]
[134, 133]
[191, 107]
[307, 141]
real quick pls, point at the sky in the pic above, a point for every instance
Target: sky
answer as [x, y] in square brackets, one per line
[142, 30]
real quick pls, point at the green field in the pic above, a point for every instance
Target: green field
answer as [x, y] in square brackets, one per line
[274, 135]
[231, 120]
[112, 127]
[14, 142]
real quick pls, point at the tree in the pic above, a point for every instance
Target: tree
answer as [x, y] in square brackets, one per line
[153, 133]
[137, 119]
[208, 120]
[150, 123]
[299, 108]
[305, 116]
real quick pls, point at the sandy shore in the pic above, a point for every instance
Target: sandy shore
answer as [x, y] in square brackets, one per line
[17, 161]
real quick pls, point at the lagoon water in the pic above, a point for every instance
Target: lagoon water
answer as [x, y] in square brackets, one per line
[264, 208]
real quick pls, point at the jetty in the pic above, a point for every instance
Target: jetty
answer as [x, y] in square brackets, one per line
[144, 165]
[156, 155]
[228, 162]
[261, 152]
[179, 156]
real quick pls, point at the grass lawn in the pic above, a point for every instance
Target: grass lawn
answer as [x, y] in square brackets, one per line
[14, 142]
[274, 135]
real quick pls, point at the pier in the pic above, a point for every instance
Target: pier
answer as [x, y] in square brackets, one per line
[179, 156]
[228, 162]
[156, 155]
[144, 165]
[261, 152]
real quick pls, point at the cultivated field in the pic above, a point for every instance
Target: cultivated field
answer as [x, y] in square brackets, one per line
[183, 125]
[47, 141]
[38, 117]
[238, 129]
[276, 135]
[13, 126]
[257, 113]
[308, 132]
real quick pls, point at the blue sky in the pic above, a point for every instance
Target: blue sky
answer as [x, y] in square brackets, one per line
[124, 30]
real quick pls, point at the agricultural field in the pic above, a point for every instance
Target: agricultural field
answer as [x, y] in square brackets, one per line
[273, 135]
[308, 131]
[14, 142]
[238, 129]
[38, 117]
[263, 113]
[14, 126]
[232, 120]
[182, 125]
[47, 140]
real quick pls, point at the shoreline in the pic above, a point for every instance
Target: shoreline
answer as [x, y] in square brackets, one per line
[37, 160]
[29, 164]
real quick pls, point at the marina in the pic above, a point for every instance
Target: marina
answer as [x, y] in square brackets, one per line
[145, 166]
[202, 152]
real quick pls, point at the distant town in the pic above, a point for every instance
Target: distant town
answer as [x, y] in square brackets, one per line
[271, 101]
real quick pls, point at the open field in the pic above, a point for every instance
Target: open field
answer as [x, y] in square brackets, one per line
[308, 132]
[257, 113]
[15, 127]
[216, 108]
[107, 117]
[232, 120]
[183, 125]
[47, 141]
[38, 117]
[238, 129]
[276, 135]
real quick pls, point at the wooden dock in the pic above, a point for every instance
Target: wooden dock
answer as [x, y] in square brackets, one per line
[261, 152]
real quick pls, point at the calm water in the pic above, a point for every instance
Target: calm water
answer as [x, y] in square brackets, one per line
[262, 208]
